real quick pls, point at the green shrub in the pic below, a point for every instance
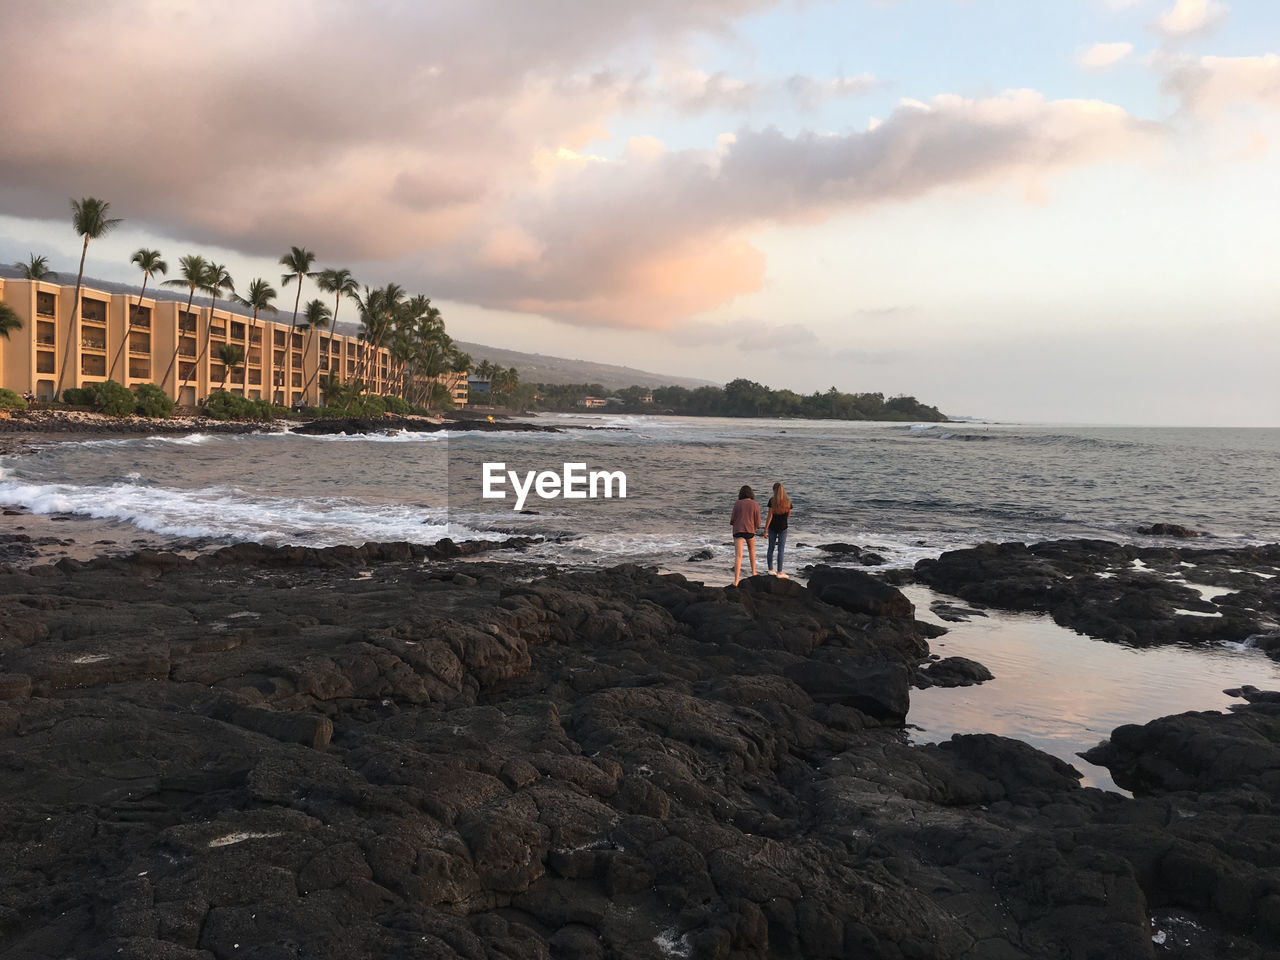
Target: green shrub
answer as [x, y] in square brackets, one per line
[314, 413]
[11, 401]
[77, 397]
[397, 406]
[152, 401]
[113, 399]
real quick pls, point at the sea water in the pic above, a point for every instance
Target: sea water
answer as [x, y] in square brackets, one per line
[905, 491]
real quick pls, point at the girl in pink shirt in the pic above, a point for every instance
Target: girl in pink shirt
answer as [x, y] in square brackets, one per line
[745, 520]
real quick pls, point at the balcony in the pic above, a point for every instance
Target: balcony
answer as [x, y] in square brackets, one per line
[45, 340]
[255, 359]
[46, 305]
[237, 331]
[139, 371]
[140, 317]
[297, 380]
[296, 360]
[255, 377]
[296, 340]
[187, 322]
[93, 343]
[218, 330]
[187, 347]
[44, 362]
[92, 366]
[93, 311]
[187, 371]
[278, 339]
[139, 344]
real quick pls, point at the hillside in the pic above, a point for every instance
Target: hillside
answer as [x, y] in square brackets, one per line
[538, 368]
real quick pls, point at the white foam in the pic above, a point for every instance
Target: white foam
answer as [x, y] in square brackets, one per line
[232, 513]
[400, 436]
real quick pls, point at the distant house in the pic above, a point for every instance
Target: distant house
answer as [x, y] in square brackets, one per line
[591, 403]
[479, 385]
[647, 398]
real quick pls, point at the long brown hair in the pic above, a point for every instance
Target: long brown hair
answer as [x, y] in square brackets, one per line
[781, 502]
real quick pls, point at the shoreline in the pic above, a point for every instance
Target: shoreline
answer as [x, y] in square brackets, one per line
[349, 750]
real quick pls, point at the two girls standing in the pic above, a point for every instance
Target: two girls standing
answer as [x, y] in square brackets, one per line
[746, 521]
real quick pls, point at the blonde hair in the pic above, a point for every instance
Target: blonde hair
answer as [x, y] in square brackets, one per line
[781, 502]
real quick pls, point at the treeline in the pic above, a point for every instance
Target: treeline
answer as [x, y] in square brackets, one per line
[739, 398]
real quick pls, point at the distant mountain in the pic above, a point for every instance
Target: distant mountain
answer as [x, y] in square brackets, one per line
[537, 368]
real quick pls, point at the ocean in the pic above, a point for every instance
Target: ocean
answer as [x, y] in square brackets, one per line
[904, 491]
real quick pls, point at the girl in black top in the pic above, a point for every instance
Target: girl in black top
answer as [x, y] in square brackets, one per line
[776, 526]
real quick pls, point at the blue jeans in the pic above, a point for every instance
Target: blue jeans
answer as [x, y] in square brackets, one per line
[778, 538]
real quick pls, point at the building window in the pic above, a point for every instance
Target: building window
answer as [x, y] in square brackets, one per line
[46, 305]
[297, 379]
[187, 322]
[141, 317]
[237, 331]
[45, 334]
[93, 366]
[44, 362]
[296, 359]
[93, 311]
[278, 339]
[139, 343]
[187, 347]
[139, 369]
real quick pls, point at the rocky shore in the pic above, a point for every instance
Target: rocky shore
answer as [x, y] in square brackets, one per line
[350, 752]
[22, 430]
[1142, 596]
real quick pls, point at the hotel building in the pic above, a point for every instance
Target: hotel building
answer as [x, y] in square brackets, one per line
[279, 365]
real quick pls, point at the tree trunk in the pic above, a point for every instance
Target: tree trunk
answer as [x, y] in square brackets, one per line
[177, 345]
[129, 328]
[75, 315]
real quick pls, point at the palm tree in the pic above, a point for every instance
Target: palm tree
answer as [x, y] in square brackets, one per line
[258, 297]
[341, 284]
[150, 263]
[231, 355]
[388, 305]
[316, 317]
[298, 261]
[89, 220]
[216, 281]
[9, 320]
[36, 268]
[193, 269]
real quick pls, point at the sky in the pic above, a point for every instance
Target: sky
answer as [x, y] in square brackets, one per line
[1054, 211]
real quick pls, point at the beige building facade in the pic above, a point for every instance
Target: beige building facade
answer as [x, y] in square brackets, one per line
[159, 341]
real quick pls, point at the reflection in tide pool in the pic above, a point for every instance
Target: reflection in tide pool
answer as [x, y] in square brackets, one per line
[1062, 692]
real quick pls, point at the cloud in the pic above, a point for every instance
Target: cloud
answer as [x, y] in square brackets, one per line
[1209, 85]
[1189, 18]
[811, 92]
[1103, 55]
[444, 145]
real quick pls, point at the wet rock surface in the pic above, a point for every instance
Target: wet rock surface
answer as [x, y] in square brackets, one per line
[352, 753]
[1143, 596]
